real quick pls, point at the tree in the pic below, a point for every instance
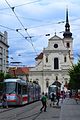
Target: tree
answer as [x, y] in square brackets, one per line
[7, 75]
[74, 73]
[1, 76]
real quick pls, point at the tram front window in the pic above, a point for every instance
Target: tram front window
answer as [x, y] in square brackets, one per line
[10, 88]
[52, 89]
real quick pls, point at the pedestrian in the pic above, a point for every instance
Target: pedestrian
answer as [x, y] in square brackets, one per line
[70, 94]
[4, 101]
[52, 99]
[57, 97]
[44, 102]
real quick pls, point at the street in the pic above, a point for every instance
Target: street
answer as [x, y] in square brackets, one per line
[30, 112]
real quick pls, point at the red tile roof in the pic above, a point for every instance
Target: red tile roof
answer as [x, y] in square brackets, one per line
[19, 70]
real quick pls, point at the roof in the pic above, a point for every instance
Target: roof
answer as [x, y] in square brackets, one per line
[40, 56]
[55, 37]
[57, 83]
[15, 80]
[19, 70]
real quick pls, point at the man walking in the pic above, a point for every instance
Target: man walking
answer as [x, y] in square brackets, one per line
[58, 97]
[52, 97]
[4, 101]
[44, 101]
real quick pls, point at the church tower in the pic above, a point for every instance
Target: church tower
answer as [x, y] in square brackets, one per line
[68, 40]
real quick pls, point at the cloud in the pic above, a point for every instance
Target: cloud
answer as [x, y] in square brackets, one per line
[39, 17]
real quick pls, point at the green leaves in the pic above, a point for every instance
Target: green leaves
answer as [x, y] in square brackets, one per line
[74, 74]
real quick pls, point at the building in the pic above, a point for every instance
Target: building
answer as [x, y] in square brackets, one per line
[20, 72]
[3, 52]
[55, 60]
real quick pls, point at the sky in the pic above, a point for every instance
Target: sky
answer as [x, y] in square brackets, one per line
[28, 22]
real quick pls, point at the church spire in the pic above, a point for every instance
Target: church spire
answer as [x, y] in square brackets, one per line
[67, 15]
[67, 33]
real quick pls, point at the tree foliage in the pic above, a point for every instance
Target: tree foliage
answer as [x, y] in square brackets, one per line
[1, 76]
[74, 73]
[5, 76]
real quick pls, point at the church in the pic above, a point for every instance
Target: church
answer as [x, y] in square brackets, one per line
[53, 63]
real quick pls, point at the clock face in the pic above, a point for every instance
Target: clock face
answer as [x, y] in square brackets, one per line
[55, 45]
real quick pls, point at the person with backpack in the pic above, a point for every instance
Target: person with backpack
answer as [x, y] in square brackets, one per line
[4, 101]
[57, 97]
[44, 102]
[52, 97]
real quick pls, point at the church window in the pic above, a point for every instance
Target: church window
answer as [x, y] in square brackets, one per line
[65, 59]
[56, 77]
[68, 45]
[46, 59]
[56, 63]
[55, 45]
[47, 84]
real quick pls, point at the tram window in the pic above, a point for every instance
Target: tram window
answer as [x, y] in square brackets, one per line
[19, 89]
[10, 87]
[24, 89]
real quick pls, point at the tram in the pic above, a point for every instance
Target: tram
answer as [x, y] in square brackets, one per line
[20, 92]
[52, 89]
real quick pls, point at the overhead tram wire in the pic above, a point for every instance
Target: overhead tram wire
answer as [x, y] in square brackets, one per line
[7, 27]
[46, 24]
[22, 4]
[28, 3]
[32, 19]
[12, 8]
[17, 30]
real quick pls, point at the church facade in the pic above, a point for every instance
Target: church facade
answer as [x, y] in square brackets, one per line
[53, 63]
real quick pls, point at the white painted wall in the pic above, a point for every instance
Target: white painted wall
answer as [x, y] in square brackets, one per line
[45, 70]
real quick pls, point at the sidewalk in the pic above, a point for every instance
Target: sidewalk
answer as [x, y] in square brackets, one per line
[70, 110]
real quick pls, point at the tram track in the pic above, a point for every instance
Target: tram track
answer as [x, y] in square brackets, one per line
[14, 116]
[7, 109]
[35, 115]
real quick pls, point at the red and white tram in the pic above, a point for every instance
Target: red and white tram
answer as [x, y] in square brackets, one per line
[20, 92]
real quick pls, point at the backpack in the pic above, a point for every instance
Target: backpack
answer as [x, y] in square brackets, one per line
[50, 95]
[43, 99]
[4, 98]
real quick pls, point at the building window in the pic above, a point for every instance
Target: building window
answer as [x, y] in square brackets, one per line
[56, 77]
[56, 63]
[68, 45]
[65, 59]
[1, 37]
[4, 51]
[4, 62]
[46, 59]
[47, 84]
[55, 45]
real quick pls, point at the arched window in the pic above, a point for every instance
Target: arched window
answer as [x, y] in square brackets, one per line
[56, 63]
[47, 84]
[56, 77]
[65, 59]
[46, 59]
[68, 45]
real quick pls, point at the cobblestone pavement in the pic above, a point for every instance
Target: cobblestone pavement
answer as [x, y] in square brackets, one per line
[70, 110]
